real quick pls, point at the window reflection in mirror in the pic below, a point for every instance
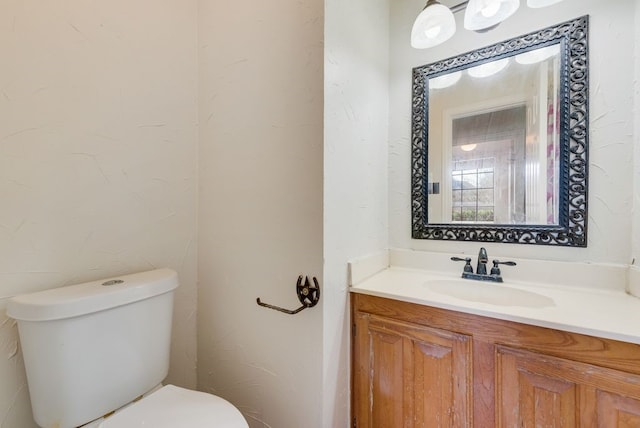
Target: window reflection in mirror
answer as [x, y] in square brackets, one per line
[495, 141]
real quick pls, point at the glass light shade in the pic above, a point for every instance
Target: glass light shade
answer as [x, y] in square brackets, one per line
[434, 25]
[482, 14]
[488, 68]
[537, 55]
[445, 80]
[541, 3]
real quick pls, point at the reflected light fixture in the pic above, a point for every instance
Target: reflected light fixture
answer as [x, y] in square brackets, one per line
[436, 23]
[445, 80]
[488, 68]
[537, 55]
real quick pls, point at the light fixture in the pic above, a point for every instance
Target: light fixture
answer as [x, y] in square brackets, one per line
[468, 147]
[537, 55]
[541, 3]
[445, 80]
[434, 25]
[488, 68]
[484, 14]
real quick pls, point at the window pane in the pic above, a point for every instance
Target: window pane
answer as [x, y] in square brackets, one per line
[468, 214]
[469, 197]
[456, 180]
[469, 181]
[485, 214]
[457, 197]
[485, 180]
[485, 197]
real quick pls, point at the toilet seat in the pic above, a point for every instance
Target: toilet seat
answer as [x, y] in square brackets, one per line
[175, 407]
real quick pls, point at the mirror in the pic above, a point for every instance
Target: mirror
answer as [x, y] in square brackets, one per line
[499, 141]
[499, 152]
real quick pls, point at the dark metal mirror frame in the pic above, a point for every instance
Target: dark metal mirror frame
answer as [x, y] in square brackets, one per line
[574, 132]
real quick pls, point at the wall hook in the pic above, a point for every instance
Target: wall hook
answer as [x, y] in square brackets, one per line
[308, 294]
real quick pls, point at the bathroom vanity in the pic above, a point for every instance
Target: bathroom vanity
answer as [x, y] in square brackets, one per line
[423, 356]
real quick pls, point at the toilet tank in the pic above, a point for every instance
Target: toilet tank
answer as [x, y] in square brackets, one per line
[94, 347]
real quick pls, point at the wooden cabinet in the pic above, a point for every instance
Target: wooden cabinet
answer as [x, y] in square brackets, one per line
[536, 390]
[417, 366]
[415, 376]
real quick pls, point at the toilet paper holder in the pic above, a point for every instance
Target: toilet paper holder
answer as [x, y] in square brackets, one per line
[308, 294]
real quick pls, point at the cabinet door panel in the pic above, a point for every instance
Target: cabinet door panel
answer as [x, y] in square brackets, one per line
[433, 384]
[531, 396]
[617, 411]
[536, 390]
[413, 376]
[386, 379]
[546, 401]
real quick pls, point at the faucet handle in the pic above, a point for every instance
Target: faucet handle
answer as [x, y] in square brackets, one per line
[467, 266]
[495, 270]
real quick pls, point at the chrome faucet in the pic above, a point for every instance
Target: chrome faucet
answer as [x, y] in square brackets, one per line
[481, 267]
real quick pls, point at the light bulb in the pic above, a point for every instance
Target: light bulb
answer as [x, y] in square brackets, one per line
[491, 9]
[538, 55]
[488, 68]
[434, 25]
[433, 32]
[445, 80]
[483, 14]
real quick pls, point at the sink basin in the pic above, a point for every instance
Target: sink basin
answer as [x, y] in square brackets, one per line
[486, 292]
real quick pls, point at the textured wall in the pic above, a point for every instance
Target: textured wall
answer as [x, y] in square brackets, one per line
[355, 171]
[636, 144]
[633, 282]
[261, 106]
[98, 144]
[611, 122]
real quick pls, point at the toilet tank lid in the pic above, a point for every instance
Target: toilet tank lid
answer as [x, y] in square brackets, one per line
[89, 297]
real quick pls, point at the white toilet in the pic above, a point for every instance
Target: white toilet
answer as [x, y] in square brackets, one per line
[92, 350]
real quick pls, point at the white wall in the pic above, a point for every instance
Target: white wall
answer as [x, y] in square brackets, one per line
[635, 244]
[98, 144]
[356, 165]
[611, 123]
[261, 138]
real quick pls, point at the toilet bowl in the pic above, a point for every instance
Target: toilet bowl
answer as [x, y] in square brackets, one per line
[107, 342]
[174, 407]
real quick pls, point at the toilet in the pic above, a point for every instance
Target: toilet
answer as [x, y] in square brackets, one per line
[96, 355]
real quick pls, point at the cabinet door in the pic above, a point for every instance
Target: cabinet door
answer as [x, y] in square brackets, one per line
[407, 375]
[536, 390]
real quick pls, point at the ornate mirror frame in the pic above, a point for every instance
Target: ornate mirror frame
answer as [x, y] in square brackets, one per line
[571, 229]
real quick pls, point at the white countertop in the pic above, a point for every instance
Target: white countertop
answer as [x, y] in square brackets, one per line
[605, 313]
